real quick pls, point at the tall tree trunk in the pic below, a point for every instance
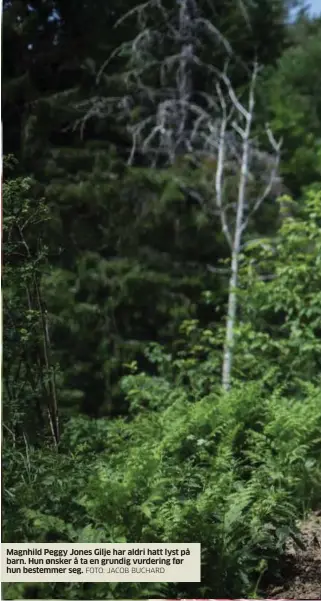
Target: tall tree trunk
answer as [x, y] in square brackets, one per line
[230, 323]
[237, 242]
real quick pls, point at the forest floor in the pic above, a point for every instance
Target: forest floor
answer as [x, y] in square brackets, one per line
[301, 572]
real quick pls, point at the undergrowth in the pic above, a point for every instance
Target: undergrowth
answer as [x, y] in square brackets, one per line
[233, 472]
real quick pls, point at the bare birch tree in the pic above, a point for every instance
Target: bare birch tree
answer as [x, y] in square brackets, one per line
[214, 124]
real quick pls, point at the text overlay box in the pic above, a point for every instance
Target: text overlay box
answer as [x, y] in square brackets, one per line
[91, 562]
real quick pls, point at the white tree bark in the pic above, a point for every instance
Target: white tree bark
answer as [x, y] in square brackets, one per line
[242, 218]
[238, 231]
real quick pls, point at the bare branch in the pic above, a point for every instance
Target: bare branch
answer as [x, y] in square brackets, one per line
[220, 270]
[276, 146]
[238, 105]
[210, 27]
[137, 10]
[238, 129]
[220, 169]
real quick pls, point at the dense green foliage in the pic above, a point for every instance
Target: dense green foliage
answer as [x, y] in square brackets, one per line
[115, 285]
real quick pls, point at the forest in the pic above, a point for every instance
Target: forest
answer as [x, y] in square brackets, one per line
[161, 287]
